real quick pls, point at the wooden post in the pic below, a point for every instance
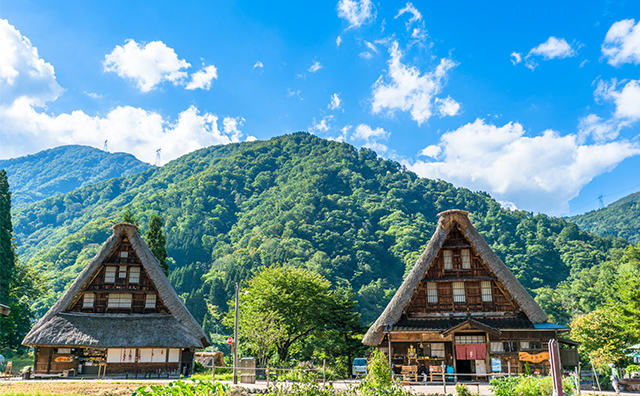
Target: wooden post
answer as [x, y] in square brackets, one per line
[235, 338]
[267, 374]
[324, 371]
[556, 369]
[595, 374]
[444, 378]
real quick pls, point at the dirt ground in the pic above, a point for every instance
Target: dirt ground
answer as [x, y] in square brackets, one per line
[93, 387]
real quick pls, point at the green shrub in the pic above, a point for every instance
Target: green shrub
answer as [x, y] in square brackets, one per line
[632, 368]
[528, 386]
[184, 388]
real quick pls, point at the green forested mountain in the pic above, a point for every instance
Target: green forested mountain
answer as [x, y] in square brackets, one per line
[620, 219]
[63, 169]
[359, 220]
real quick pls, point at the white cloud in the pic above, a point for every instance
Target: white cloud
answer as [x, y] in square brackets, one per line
[291, 93]
[338, 41]
[356, 12]
[432, 151]
[447, 106]
[231, 127]
[202, 78]
[365, 132]
[516, 57]
[540, 173]
[315, 67]
[251, 138]
[322, 125]
[336, 102]
[22, 72]
[366, 55]
[148, 66]
[24, 129]
[594, 127]
[406, 89]
[410, 9]
[626, 100]
[622, 43]
[554, 48]
[258, 65]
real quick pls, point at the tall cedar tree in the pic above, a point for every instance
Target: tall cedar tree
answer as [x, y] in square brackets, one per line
[156, 241]
[7, 252]
[127, 217]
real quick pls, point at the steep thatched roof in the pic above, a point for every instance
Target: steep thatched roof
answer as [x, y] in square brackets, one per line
[114, 331]
[56, 320]
[447, 221]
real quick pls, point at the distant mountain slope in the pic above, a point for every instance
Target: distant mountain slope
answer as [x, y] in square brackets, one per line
[619, 219]
[357, 219]
[63, 169]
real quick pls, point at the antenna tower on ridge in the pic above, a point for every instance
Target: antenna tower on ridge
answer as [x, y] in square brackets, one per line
[601, 201]
[105, 148]
[158, 156]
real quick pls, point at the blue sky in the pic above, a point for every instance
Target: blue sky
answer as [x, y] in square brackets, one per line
[535, 102]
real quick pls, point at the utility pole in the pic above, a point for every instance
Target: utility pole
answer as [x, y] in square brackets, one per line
[235, 339]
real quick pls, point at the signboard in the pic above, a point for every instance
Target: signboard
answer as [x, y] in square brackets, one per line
[63, 359]
[496, 365]
[230, 340]
[537, 358]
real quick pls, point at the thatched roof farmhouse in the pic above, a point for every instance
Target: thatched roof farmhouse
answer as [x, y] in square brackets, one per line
[462, 307]
[121, 311]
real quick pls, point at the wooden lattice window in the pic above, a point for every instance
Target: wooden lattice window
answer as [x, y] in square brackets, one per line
[87, 300]
[119, 300]
[486, 291]
[437, 349]
[432, 292]
[150, 301]
[134, 274]
[110, 274]
[122, 271]
[466, 258]
[124, 254]
[448, 259]
[458, 292]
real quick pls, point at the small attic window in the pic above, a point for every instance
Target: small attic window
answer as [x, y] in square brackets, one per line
[87, 300]
[122, 271]
[432, 292]
[109, 274]
[150, 301]
[466, 258]
[134, 274]
[448, 259]
[124, 254]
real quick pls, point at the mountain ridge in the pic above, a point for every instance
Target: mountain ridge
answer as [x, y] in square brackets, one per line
[619, 219]
[359, 220]
[63, 169]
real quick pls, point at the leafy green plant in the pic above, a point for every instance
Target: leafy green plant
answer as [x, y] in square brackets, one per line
[184, 388]
[528, 386]
[632, 368]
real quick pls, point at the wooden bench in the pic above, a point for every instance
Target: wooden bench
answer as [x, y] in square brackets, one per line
[409, 371]
[434, 370]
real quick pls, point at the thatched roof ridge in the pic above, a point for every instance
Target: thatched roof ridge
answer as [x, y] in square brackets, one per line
[447, 220]
[151, 265]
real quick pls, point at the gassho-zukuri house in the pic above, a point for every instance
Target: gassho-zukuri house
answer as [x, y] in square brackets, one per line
[121, 313]
[462, 307]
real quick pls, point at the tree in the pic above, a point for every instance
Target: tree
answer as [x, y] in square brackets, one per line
[127, 217]
[7, 250]
[156, 241]
[20, 285]
[291, 303]
[602, 336]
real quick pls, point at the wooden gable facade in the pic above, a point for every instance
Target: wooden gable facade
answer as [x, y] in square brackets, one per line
[460, 307]
[121, 315]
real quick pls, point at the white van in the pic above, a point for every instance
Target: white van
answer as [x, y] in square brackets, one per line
[359, 367]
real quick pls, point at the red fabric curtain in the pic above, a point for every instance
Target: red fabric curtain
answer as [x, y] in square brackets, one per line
[461, 352]
[471, 351]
